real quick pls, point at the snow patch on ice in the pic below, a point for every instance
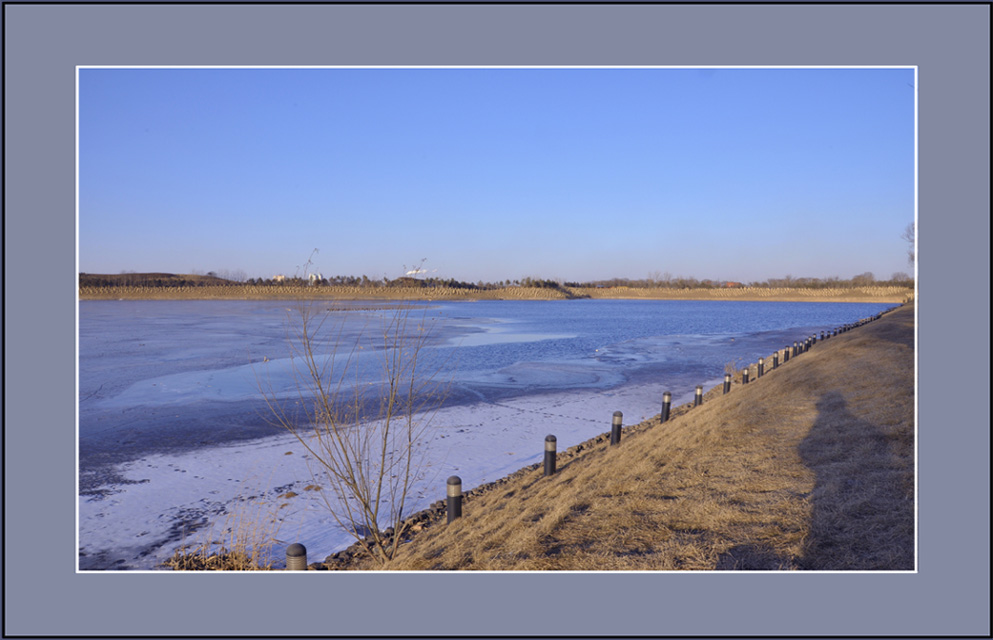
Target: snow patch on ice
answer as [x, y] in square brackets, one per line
[142, 520]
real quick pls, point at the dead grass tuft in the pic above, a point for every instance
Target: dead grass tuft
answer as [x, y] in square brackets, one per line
[243, 542]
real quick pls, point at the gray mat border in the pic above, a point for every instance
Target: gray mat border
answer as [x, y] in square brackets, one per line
[43, 595]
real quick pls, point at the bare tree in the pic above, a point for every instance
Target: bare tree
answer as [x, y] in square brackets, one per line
[364, 436]
[415, 271]
[909, 234]
[863, 279]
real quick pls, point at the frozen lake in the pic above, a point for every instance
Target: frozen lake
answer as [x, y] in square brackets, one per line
[173, 430]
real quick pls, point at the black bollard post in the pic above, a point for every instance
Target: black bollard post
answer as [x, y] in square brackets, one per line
[615, 428]
[666, 403]
[761, 367]
[744, 376]
[454, 498]
[549, 455]
[698, 400]
[775, 360]
[795, 347]
[786, 354]
[296, 557]
[727, 382]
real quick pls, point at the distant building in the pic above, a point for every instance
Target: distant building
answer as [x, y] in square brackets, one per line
[278, 278]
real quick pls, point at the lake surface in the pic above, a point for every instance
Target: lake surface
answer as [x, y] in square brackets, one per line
[175, 439]
[165, 376]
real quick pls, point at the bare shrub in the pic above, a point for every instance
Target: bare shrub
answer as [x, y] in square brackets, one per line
[733, 367]
[364, 435]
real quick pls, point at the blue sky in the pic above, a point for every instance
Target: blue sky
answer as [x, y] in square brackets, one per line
[493, 174]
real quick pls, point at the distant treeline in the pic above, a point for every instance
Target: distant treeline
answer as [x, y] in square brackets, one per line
[656, 281]
[152, 280]
[666, 281]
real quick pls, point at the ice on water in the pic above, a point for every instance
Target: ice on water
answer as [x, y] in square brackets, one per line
[519, 372]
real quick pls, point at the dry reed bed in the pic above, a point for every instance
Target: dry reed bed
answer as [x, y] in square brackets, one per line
[255, 292]
[755, 294]
[810, 467]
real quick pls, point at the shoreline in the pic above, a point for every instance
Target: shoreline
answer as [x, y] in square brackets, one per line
[429, 539]
[208, 507]
[880, 294]
[208, 496]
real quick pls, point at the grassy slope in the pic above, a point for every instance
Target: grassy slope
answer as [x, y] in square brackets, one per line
[809, 467]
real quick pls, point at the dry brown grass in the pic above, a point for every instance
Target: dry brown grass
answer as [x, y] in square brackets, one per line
[263, 292]
[255, 292]
[243, 542]
[770, 294]
[809, 467]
